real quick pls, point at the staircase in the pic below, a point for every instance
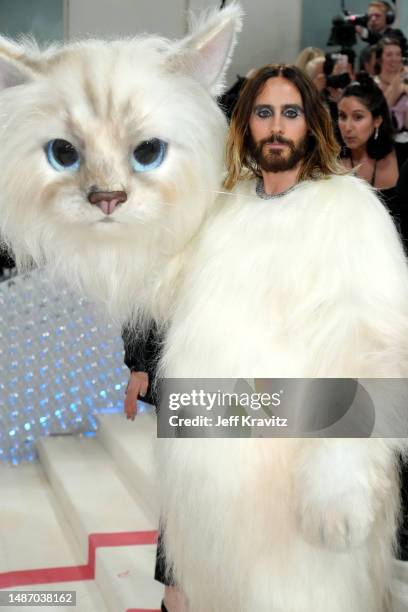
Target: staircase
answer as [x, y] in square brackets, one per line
[84, 518]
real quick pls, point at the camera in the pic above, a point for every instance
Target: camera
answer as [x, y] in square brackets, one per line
[338, 81]
[343, 30]
[357, 20]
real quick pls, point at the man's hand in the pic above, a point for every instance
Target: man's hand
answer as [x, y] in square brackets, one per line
[341, 65]
[137, 387]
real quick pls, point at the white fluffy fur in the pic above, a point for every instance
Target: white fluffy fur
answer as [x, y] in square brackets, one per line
[314, 284]
[105, 98]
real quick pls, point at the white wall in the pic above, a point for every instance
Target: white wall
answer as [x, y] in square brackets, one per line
[271, 30]
[271, 33]
[403, 16]
[112, 18]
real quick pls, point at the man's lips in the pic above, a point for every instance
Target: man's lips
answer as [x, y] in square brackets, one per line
[275, 145]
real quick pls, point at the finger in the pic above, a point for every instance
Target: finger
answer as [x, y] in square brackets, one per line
[131, 405]
[143, 388]
[133, 389]
[131, 413]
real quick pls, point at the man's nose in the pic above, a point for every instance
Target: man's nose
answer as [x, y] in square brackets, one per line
[276, 124]
[107, 200]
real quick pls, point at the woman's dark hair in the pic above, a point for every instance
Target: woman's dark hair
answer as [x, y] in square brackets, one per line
[365, 56]
[369, 94]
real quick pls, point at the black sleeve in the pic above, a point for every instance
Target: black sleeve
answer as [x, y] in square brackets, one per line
[372, 38]
[141, 349]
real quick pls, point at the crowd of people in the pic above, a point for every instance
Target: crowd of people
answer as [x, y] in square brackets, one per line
[370, 117]
[368, 106]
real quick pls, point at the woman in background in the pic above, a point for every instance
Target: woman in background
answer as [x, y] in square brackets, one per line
[306, 55]
[391, 80]
[368, 146]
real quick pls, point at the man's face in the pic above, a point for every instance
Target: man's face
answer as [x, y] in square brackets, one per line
[277, 126]
[376, 18]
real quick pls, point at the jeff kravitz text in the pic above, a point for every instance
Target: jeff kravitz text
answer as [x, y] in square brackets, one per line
[231, 421]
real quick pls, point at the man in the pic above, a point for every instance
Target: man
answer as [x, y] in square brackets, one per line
[283, 282]
[271, 131]
[280, 159]
[380, 19]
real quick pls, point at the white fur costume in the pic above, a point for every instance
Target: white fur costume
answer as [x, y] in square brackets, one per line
[313, 284]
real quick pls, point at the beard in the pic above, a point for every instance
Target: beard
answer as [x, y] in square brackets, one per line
[275, 160]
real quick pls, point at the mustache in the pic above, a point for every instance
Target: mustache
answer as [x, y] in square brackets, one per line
[275, 138]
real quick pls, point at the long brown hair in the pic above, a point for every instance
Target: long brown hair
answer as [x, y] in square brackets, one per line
[322, 152]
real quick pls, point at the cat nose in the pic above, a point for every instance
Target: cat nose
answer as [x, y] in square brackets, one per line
[107, 200]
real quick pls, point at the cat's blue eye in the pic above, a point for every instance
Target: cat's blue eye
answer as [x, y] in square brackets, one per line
[148, 155]
[62, 155]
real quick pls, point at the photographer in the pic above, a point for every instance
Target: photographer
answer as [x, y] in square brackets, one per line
[380, 18]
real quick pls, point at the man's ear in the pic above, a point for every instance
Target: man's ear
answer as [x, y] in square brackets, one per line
[206, 52]
[16, 67]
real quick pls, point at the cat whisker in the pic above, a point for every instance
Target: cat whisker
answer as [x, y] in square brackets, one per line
[233, 194]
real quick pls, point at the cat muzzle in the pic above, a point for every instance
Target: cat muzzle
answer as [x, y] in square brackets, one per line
[107, 200]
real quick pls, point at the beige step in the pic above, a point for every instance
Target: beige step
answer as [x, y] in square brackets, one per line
[125, 578]
[131, 445]
[33, 531]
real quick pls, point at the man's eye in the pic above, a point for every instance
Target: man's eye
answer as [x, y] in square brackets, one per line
[263, 113]
[291, 113]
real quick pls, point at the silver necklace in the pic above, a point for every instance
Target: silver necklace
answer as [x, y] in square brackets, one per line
[260, 191]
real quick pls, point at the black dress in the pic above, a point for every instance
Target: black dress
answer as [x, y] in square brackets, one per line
[398, 209]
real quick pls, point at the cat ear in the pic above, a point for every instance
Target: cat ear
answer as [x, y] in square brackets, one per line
[15, 66]
[206, 52]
